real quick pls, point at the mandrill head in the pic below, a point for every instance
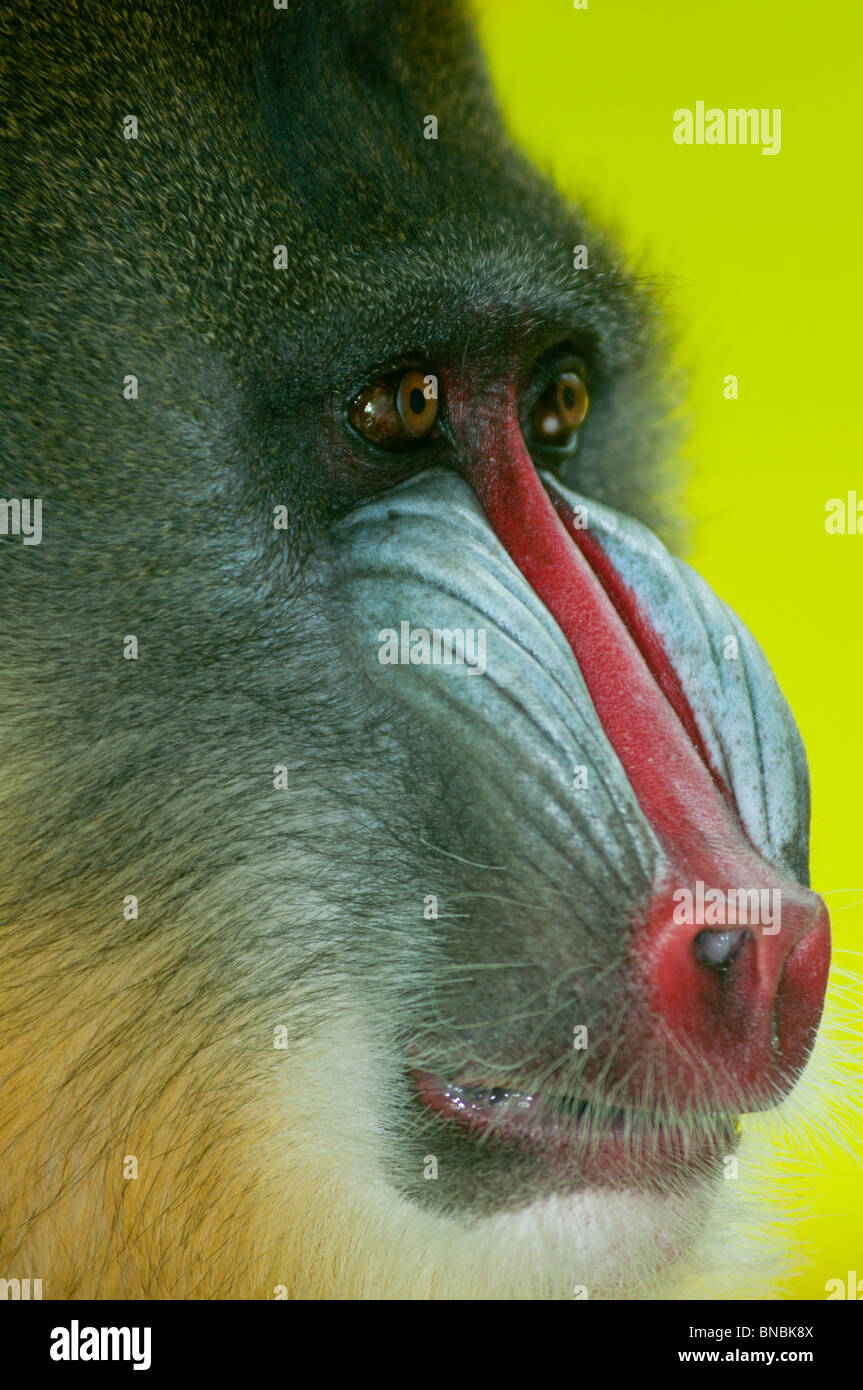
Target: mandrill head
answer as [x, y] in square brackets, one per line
[433, 763]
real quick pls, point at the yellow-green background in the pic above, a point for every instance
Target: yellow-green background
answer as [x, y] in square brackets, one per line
[761, 263]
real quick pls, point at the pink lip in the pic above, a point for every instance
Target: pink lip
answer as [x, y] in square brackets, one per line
[584, 1144]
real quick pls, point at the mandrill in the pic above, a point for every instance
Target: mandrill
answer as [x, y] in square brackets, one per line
[403, 857]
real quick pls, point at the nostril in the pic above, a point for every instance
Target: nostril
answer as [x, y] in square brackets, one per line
[719, 948]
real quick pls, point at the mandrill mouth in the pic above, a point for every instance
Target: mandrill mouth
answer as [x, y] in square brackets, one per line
[581, 1142]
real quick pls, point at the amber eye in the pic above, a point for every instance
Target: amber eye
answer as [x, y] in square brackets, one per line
[560, 410]
[398, 411]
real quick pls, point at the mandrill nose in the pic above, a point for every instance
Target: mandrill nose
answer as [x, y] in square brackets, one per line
[729, 1010]
[723, 1008]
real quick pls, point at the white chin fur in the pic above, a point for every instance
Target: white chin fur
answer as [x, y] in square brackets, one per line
[600, 1239]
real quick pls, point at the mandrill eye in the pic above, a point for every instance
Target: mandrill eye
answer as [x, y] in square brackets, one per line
[395, 412]
[560, 410]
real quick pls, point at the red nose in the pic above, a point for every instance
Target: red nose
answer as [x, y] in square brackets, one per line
[724, 1006]
[730, 973]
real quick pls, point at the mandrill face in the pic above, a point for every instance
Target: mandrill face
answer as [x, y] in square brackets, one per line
[466, 829]
[614, 952]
